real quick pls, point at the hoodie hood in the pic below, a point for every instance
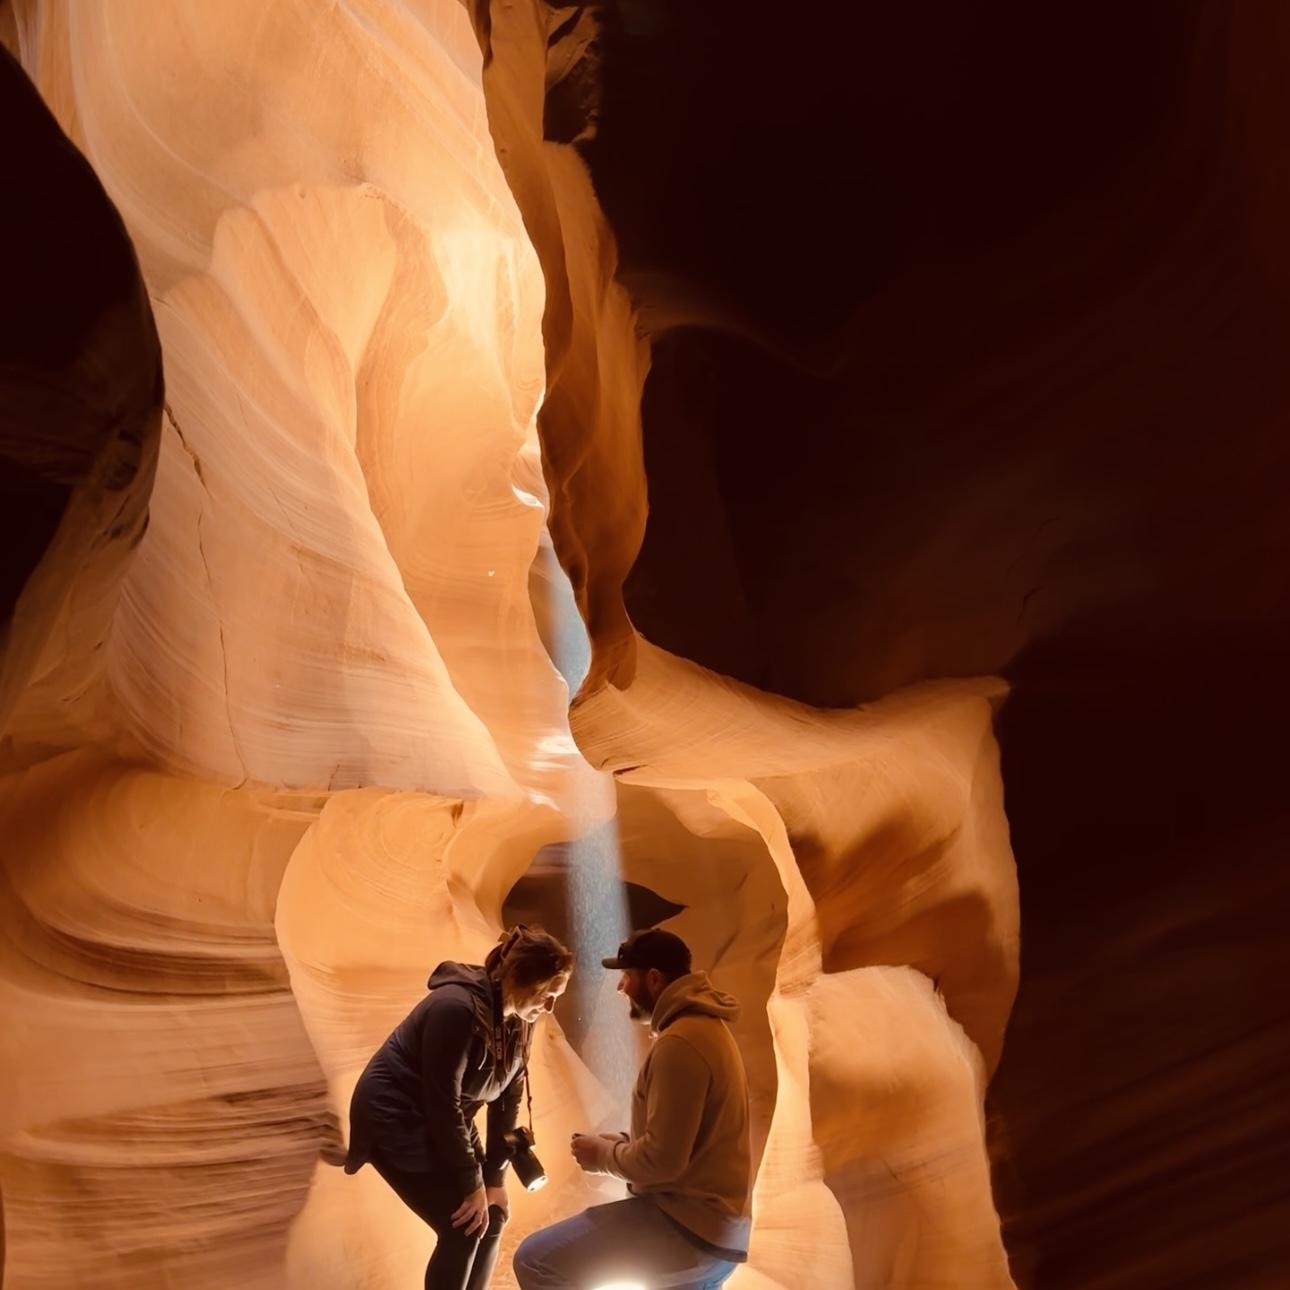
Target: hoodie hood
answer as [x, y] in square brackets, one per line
[485, 997]
[693, 993]
[472, 978]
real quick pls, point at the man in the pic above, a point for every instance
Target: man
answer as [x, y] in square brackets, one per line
[687, 1159]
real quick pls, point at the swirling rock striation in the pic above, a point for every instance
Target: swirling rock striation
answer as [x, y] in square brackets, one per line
[953, 383]
[332, 594]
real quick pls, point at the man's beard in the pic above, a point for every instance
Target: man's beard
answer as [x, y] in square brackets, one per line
[635, 1011]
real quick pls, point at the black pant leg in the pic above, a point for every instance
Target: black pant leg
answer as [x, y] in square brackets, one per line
[455, 1253]
[490, 1245]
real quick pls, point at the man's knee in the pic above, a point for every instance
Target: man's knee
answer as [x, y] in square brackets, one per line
[526, 1252]
[527, 1262]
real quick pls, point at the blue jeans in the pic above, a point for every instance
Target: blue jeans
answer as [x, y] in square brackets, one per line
[626, 1241]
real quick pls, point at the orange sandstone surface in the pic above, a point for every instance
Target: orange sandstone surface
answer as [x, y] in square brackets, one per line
[368, 367]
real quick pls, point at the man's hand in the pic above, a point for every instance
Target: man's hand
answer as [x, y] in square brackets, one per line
[497, 1196]
[592, 1151]
[472, 1214]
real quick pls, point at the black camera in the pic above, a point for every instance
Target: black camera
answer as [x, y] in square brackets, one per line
[528, 1168]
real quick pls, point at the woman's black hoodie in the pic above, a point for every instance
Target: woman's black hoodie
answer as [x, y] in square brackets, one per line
[415, 1103]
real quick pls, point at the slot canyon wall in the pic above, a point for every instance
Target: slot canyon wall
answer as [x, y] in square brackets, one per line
[898, 393]
[967, 330]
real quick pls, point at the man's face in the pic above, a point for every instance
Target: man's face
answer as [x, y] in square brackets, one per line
[641, 996]
[537, 1000]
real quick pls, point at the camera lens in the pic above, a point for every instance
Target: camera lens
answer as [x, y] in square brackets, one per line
[528, 1168]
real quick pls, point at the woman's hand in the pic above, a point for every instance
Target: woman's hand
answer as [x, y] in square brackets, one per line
[472, 1214]
[497, 1196]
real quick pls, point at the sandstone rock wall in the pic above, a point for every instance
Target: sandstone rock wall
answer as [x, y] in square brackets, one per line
[329, 610]
[966, 332]
[879, 364]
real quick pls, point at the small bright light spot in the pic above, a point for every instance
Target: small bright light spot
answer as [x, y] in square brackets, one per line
[621, 1285]
[491, 572]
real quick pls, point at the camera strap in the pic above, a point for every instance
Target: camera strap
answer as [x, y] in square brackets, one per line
[528, 1092]
[499, 1052]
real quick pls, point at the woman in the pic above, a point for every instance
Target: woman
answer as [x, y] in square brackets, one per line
[412, 1114]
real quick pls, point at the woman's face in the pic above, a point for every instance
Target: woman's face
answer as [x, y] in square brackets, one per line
[532, 1001]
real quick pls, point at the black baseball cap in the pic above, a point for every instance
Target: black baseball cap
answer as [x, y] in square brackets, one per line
[652, 948]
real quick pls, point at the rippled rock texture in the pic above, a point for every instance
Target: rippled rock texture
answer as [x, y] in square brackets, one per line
[898, 395]
[327, 620]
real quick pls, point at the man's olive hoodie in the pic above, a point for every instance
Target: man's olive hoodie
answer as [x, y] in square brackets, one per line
[689, 1149]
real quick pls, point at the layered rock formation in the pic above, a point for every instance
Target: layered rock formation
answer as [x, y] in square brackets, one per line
[329, 611]
[317, 731]
[886, 366]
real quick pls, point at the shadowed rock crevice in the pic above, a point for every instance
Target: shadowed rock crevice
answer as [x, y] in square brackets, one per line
[80, 369]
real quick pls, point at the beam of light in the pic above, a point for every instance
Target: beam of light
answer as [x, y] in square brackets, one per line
[596, 893]
[560, 625]
[598, 920]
